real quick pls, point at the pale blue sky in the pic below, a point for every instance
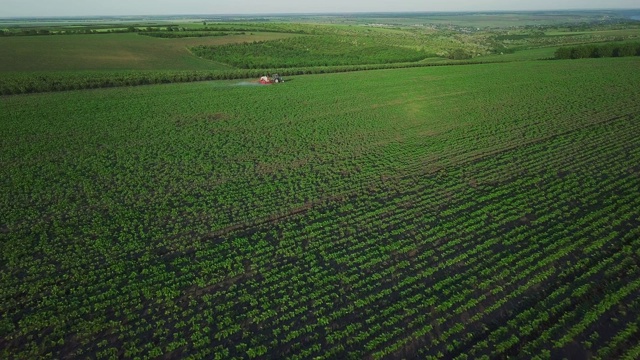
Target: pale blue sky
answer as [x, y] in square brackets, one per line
[11, 8]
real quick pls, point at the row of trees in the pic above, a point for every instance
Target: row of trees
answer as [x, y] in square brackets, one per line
[27, 84]
[35, 32]
[88, 30]
[598, 51]
[214, 28]
[184, 34]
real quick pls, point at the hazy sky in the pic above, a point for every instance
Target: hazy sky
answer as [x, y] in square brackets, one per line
[10, 8]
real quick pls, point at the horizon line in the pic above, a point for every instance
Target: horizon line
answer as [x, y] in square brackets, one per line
[316, 13]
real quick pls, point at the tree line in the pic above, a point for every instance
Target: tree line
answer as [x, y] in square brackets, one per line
[598, 51]
[50, 82]
[147, 30]
[185, 34]
[84, 31]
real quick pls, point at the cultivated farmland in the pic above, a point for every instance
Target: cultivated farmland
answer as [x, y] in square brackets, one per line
[113, 52]
[450, 212]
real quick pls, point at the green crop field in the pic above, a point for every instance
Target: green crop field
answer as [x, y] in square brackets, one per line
[445, 212]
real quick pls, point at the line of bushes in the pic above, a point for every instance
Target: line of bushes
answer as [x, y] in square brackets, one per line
[84, 31]
[187, 34]
[28, 83]
[598, 51]
[149, 30]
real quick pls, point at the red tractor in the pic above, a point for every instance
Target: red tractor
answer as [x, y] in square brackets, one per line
[275, 79]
